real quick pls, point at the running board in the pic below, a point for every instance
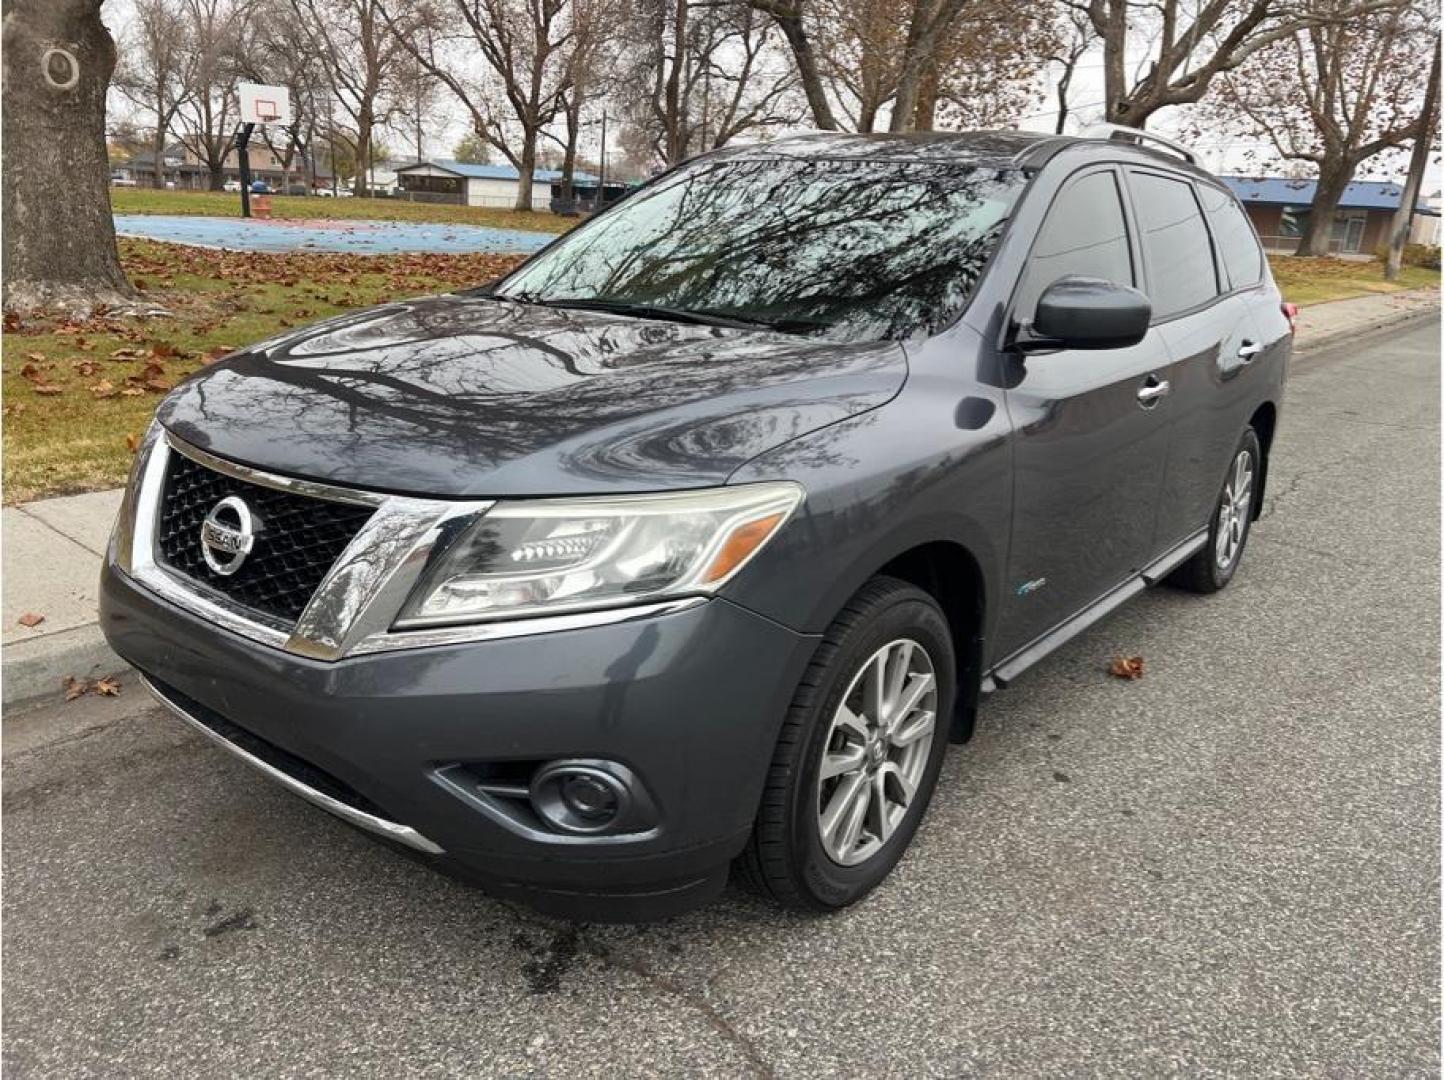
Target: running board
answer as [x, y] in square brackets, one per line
[1004, 673]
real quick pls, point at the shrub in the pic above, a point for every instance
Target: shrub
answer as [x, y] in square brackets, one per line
[1425, 255]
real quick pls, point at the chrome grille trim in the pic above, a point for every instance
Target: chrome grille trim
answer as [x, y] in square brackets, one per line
[352, 610]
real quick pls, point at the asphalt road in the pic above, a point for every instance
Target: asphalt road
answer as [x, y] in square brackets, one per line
[1230, 866]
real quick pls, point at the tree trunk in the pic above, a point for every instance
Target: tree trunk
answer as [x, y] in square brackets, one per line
[59, 239]
[916, 55]
[1326, 202]
[790, 23]
[925, 112]
[363, 151]
[1113, 29]
[1418, 162]
[526, 169]
[158, 148]
[217, 169]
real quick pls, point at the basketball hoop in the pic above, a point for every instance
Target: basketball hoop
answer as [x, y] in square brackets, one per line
[264, 104]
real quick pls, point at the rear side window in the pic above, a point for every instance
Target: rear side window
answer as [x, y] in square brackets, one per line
[1231, 231]
[1084, 235]
[1181, 273]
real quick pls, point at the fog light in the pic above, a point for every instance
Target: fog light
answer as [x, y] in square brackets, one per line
[582, 796]
[588, 797]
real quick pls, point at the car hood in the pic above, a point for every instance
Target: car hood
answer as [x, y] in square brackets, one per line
[473, 396]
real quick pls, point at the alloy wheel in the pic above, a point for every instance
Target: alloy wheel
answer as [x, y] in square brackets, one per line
[1234, 510]
[876, 751]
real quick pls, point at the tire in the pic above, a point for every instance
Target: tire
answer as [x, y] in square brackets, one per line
[787, 858]
[1208, 571]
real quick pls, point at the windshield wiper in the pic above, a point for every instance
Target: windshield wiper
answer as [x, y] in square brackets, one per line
[671, 314]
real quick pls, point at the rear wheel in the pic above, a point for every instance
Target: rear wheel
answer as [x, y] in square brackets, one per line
[1216, 562]
[859, 752]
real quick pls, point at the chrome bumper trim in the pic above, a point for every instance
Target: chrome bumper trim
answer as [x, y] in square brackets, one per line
[402, 834]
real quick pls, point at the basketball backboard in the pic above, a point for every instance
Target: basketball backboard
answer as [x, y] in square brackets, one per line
[264, 104]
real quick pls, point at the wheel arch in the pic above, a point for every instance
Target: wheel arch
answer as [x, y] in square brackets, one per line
[950, 573]
[1264, 422]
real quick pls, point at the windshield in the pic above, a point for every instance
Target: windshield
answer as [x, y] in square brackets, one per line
[855, 250]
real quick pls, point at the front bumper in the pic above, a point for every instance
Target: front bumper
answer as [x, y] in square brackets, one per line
[691, 701]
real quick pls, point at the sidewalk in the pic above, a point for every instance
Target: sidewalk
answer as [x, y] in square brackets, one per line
[53, 548]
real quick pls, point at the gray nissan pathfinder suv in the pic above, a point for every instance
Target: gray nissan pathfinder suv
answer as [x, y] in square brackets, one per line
[694, 541]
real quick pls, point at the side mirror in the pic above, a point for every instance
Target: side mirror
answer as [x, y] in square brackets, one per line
[1088, 313]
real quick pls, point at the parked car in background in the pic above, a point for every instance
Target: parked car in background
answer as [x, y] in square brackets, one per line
[121, 181]
[695, 540]
[233, 186]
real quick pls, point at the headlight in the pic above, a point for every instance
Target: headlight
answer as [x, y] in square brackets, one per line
[547, 556]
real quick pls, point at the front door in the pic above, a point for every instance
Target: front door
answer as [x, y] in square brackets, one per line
[1091, 430]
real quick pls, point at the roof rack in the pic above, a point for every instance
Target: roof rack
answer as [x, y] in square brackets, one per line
[1137, 136]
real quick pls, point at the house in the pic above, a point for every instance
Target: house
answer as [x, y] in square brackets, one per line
[182, 169]
[1279, 208]
[446, 181]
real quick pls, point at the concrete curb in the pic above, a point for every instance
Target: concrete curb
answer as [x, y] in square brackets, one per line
[34, 669]
[1321, 339]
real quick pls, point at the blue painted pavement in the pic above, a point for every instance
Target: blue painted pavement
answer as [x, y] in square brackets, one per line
[355, 237]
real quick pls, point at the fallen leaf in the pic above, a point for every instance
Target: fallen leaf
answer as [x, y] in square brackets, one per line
[48, 390]
[74, 687]
[132, 442]
[38, 357]
[104, 389]
[85, 367]
[30, 619]
[108, 686]
[1126, 667]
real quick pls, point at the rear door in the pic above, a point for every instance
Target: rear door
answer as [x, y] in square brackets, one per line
[1203, 282]
[1089, 451]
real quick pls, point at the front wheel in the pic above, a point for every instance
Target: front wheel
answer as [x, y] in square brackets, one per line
[1214, 565]
[859, 752]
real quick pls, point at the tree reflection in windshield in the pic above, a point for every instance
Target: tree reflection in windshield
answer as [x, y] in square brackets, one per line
[861, 249]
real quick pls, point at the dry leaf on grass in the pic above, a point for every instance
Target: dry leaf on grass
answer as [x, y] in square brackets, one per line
[104, 389]
[30, 619]
[1126, 667]
[132, 442]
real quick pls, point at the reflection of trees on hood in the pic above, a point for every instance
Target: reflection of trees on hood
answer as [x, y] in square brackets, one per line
[871, 249]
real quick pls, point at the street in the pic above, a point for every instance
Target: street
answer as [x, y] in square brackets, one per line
[1228, 867]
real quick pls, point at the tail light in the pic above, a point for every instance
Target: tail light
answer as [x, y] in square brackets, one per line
[1291, 313]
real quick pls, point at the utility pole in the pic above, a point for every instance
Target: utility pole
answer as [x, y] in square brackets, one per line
[602, 180]
[243, 159]
[1418, 162]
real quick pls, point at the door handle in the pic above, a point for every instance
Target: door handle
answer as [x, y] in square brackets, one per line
[1152, 391]
[1248, 350]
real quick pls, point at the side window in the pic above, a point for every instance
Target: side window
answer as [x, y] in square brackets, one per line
[1231, 231]
[1181, 272]
[1084, 235]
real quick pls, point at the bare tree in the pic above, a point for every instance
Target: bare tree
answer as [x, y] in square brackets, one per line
[978, 70]
[207, 117]
[359, 54]
[1192, 43]
[696, 77]
[1075, 39]
[158, 69]
[525, 46]
[1333, 96]
[57, 251]
[789, 16]
[275, 51]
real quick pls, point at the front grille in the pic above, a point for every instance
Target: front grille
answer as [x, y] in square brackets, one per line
[298, 538]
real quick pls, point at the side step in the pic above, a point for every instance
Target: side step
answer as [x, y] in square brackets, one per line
[1003, 673]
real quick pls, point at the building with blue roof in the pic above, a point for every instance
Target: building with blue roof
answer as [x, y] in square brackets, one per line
[459, 183]
[1279, 207]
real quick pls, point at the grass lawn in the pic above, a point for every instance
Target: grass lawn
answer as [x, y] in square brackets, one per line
[225, 204]
[77, 395]
[1314, 281]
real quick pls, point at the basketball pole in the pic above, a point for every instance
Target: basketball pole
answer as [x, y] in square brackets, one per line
[243, 159]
